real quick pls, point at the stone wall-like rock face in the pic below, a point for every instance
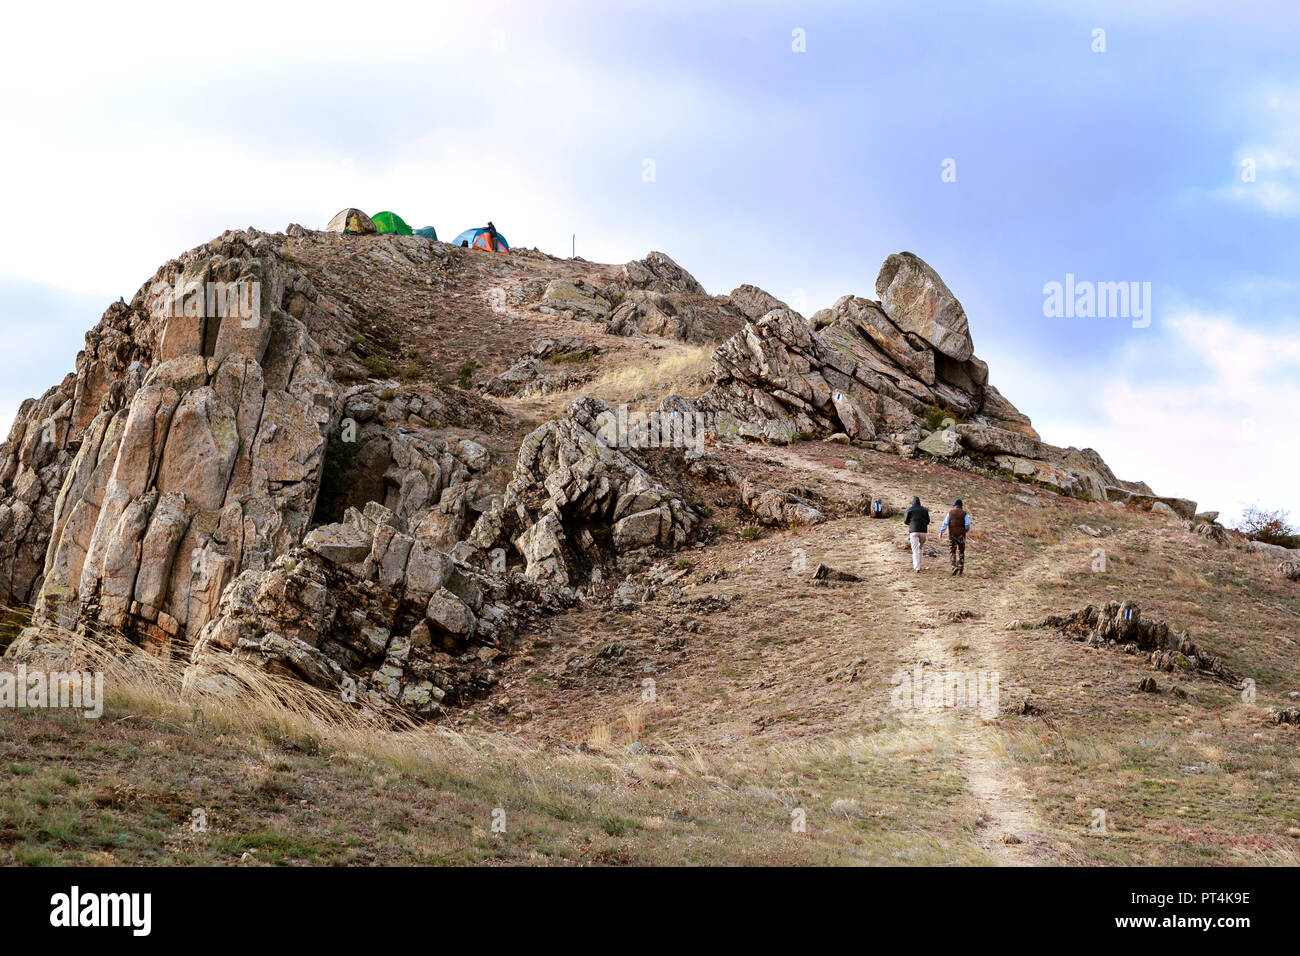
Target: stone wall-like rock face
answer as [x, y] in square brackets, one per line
[204, 457]
[48, 433]
[371, 612]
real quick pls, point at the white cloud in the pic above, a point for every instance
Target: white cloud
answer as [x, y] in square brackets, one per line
[1204, 409]
[1268, 167]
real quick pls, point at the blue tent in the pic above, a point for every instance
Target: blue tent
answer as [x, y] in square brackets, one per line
[477, 238]
[428, 232]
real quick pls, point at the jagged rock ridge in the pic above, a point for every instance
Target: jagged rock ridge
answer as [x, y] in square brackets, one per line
[257, 483]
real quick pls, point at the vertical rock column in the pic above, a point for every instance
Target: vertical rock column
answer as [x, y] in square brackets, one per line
[212, 468]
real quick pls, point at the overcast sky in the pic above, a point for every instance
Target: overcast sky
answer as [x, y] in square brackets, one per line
[793, 146]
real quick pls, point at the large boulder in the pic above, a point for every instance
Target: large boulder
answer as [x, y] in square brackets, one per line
[942, 444]
[772, 506]
[916, 299]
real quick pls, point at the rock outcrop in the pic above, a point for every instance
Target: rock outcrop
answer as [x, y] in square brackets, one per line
[48, 433]
[248, 460]
[886, 374]
[577, 500]
[371, 612]
[656, 296]
[202, 454]
[1120, 624]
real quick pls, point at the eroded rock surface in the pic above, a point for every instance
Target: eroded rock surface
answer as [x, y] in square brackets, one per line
[253, 458]
[1121, 624]
[886, 374]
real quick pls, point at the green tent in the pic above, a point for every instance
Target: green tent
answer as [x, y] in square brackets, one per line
[390, 222]
[428, 232]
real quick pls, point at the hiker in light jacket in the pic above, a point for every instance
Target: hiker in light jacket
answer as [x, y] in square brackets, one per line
[956, 522]
[917, 520]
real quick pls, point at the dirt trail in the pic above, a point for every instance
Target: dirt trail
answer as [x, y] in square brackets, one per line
[1010, 830]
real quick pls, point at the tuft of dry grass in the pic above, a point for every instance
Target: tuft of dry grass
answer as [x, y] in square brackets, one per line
[637, 381]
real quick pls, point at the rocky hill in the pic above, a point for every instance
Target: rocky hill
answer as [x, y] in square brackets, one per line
[308, 449]
[609, 542]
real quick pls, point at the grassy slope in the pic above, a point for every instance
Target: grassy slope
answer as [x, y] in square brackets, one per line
[780, 703]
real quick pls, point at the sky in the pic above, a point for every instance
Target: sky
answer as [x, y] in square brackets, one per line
[792, 146]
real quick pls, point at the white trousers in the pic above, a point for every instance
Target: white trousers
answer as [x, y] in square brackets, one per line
[917, 539]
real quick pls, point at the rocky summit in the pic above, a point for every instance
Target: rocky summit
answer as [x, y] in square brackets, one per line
[332, 455]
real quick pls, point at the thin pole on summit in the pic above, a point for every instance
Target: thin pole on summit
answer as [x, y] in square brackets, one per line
[573, 250]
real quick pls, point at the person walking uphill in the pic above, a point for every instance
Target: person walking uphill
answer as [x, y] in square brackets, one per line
[917, 520]
[956, 523]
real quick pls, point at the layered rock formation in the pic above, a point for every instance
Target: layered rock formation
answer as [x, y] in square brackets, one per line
[1121, 624]
[376, 613]
[576, 497]
[899, 375]
[242, 465]
[203, 456]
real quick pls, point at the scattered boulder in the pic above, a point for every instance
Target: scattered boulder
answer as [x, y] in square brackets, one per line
[773, 507]
[564, 295]
[554, 365]
[942, 444]
[1209, 530]
[865, 504]
[1137, 501]
[825, 572]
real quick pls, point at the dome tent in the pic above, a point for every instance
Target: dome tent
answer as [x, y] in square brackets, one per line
[428, 232]
[351, 220]
[477, 238]
[386, 222]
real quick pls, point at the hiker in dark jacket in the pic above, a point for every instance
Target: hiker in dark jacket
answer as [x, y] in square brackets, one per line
[917, 520]
[492, 236]
[956, 522]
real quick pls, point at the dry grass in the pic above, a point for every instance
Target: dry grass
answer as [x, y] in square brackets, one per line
[636, 379]
[287, 774]
[779, 704]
